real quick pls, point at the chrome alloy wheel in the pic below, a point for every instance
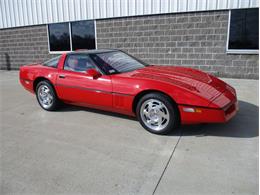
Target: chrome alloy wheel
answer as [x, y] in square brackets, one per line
[45, 96]
[154, 114]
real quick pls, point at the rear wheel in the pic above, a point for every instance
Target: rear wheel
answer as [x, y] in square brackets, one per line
[157, 113]
[46, 96]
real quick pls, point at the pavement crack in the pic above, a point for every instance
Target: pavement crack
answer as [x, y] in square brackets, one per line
[167, 164]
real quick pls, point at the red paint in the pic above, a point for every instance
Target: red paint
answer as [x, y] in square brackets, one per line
[187, 87]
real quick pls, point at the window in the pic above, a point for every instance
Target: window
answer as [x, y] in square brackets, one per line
[83, 35]
[78, 63]
[52, 62]
[243, 31]
[71, 36]
[59, 37]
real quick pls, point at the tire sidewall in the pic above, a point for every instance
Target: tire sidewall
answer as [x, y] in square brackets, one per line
[172, 108]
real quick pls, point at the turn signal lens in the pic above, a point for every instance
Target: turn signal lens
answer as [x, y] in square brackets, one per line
[188, 110]
[197, 110]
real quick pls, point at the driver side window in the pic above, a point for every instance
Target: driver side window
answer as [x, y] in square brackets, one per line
[78, 63]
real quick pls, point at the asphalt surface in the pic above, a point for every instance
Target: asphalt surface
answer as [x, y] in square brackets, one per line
[82, 151]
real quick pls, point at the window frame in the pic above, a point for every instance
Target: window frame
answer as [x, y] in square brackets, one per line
[70, 35]
[237, 51]
[71, 30]
[48, 36]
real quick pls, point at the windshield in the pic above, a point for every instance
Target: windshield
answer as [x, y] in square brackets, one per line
[117, 62]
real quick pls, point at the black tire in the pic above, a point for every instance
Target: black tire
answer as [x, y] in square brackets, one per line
[172, 110]
[55, 101]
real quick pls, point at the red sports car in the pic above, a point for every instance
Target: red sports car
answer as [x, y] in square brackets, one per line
[162, 97]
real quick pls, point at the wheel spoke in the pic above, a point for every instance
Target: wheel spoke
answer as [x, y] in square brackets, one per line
[150, 106]
[49, 100]
[149, 121]
[160, 106]
[163, 115]
[50, 96]
[146, 113]
[160, 121]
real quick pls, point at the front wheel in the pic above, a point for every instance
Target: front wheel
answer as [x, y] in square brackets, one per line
[157, 113]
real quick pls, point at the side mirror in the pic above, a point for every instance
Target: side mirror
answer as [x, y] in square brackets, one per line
[94, 73]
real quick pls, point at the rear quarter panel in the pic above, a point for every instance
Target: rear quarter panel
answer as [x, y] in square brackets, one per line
[29, 73]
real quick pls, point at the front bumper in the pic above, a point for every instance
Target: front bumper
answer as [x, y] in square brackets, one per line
[208, 115]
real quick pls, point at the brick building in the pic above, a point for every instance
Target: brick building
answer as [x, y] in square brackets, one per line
[217, 36]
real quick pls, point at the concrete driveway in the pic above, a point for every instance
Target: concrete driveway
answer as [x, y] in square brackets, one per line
[82, 151]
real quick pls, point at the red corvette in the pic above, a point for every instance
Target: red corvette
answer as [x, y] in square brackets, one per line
[162, 97]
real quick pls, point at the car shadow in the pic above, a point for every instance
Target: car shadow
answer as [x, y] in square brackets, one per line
[72, 108]
[243, 125]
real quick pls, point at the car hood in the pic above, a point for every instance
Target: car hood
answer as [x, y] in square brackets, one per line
[193, 80]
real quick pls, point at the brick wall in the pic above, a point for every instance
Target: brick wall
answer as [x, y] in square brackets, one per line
[189, 39]
[19, 46]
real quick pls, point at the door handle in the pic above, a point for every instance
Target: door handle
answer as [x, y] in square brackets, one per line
[62, 76]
